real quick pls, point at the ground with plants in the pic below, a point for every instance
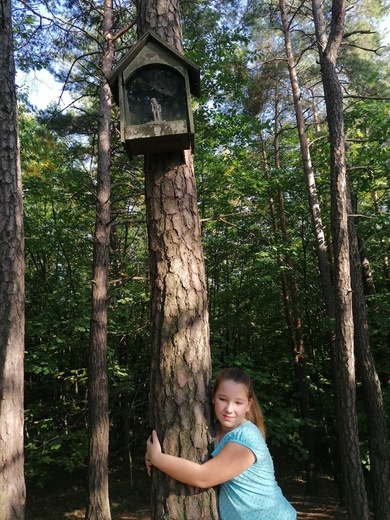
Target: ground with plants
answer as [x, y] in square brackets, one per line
[130, 500]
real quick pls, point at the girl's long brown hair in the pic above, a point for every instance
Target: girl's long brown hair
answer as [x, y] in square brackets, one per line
[237, 375]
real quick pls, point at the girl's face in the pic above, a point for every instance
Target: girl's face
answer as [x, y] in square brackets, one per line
[231, 404]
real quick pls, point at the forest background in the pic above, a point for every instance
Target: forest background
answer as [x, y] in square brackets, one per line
[260, 253]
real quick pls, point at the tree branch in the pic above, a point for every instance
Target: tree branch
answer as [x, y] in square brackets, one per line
[124, 30]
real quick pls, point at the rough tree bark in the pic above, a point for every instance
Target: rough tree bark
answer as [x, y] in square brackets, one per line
[378, 436]
[180, 353]
[343, 361]
[98, 506]
[12, 485]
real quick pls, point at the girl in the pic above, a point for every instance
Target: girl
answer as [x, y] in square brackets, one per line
[240, 462]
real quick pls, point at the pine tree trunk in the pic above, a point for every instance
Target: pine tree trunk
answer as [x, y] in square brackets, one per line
[343, 361]
[318, 230]
[12, 485]
[293, 316]
[180, 352]
[98, 506]
[378, 437]
[180, 364]
[314, 206]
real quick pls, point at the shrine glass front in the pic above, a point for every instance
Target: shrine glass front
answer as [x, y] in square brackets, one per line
[156, 94]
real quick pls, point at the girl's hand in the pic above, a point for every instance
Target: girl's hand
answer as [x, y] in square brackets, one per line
[153, 448]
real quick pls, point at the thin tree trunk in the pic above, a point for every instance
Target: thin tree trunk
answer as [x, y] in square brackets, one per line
[180, 352]
[98, 507]
[12, 485]
[343, 355]
[319, 235]
[299, 354]
[316, 119]
[291, 307]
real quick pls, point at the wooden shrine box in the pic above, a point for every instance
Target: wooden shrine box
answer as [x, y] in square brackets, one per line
[152, 84]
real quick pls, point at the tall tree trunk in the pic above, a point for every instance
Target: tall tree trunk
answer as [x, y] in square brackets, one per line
[319, 235]
[298, 347]
[376, 418]
[12, 485]
[343, 355]
[314, 206]
[98, 507]
[180, 353]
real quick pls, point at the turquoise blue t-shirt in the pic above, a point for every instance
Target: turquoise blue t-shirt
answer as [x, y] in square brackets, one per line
[254, 494]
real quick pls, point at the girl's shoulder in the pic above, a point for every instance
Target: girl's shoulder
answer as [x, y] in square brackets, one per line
[249, 435]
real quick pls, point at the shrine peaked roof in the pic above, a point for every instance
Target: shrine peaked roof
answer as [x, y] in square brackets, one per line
[192, 68]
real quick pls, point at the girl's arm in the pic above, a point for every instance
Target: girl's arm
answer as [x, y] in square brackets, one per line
[232, 460]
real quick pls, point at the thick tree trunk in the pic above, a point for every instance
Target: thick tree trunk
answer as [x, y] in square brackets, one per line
[12, 485]
[180, 365]
[98, 507]
[343, 361]
[180, 352]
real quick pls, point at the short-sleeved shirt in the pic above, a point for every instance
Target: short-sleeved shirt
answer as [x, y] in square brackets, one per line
[254, 494]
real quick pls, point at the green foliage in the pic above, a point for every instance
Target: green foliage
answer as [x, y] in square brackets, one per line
[240, 176]
[46, 455]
